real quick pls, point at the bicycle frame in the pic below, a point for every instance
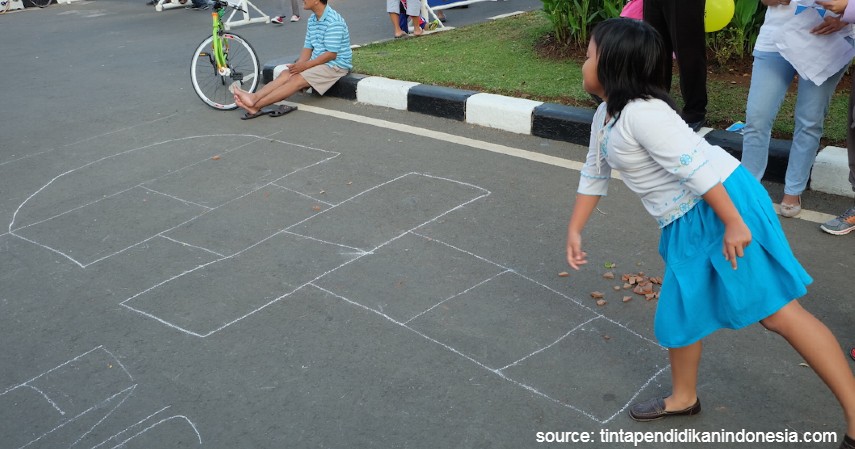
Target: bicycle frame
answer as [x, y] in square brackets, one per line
[217, 41]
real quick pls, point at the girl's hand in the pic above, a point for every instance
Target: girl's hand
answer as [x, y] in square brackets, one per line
[575, 255]
[829, 25]
[737, 237]
[835, 6]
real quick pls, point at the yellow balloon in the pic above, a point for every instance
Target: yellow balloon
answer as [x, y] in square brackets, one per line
[717, 14]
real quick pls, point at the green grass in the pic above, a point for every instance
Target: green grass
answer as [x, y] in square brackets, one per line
[498, 57]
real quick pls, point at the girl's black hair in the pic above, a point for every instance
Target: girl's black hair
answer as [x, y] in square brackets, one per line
[630, 63]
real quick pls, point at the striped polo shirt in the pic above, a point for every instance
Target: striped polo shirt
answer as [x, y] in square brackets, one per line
[329, 33]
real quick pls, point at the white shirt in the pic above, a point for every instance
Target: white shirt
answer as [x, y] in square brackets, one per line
[659, 157]
[775, 18]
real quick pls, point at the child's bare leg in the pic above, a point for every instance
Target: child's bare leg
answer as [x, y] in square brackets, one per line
[417, 30]
[684, 376]
[815, 343]
[397, 24]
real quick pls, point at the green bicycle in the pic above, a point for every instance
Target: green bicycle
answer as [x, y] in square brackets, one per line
[222, 60]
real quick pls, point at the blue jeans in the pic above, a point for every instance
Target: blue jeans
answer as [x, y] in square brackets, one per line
[770, 78]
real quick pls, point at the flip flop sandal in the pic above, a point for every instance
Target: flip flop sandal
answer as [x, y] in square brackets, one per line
[281, 110]
[248, 116]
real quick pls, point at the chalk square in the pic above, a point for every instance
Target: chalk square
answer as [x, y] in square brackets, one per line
[503, 320]
[242, 223]
[103, 228]
[604, 348]
[386, 211]
[219, 294]
[214, 182]
[408, 277]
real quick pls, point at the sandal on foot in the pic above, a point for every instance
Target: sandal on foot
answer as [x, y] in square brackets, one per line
[654, 409]
[281, 110]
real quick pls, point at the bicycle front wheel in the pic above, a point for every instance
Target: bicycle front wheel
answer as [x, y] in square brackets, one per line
[242, 69]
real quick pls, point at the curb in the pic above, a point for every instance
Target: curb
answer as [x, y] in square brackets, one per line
[551, 121]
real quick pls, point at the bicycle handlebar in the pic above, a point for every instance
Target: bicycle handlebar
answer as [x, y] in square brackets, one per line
[220, 4]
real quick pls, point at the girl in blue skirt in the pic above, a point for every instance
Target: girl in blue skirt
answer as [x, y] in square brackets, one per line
[720, 233]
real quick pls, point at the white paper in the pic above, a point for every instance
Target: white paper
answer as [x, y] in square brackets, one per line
[815, 57]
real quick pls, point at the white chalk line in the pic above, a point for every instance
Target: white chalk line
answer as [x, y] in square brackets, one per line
[88, 139]
[359, 254]
[192, 426]
[303, 194]
[82, 265]
[210, 210]
[354, 259]
[58, 367]
[456, 295]
[175, 198]
[49, 400]
[806, 215]
[75, 418]
[192, 246]
[104, 418]
[455, 351]
[569, 298]
[130, 427]
[577, 327]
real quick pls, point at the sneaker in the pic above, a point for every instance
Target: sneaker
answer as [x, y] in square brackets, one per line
[204, 7]
[295, 18]
[277, 20]
[843, 224]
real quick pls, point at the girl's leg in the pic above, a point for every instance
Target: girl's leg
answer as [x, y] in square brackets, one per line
[811, 109]
[815, 343]
[770, 77]
[684, 376]
[295, 9]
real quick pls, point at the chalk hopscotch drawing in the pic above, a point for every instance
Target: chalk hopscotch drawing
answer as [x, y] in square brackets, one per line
[73, 404]
[324, 251]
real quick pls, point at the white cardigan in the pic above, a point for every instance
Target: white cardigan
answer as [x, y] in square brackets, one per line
[659, 157]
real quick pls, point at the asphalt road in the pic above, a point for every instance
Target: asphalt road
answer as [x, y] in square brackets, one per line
[342, 277]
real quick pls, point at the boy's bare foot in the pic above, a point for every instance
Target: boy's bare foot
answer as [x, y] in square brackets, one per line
[244, 96]
[250, 110]
[418, 31]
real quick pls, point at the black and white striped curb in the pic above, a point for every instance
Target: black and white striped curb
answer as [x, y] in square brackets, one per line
[551, 121]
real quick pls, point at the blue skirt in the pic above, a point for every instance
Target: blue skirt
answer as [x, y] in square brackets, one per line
[701, 292]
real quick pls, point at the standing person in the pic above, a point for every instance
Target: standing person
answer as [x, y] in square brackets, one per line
[719, 230]
[200, 5]
[845, 222]
[325, 58]
[681, 25]
[295, 13]
[770, 79]
[414, 10]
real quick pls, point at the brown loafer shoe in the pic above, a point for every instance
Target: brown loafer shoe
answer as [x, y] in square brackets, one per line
[848, 442]
[654, 409]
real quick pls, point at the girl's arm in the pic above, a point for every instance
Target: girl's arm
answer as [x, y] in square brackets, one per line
[737, 236]
[585, 205]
